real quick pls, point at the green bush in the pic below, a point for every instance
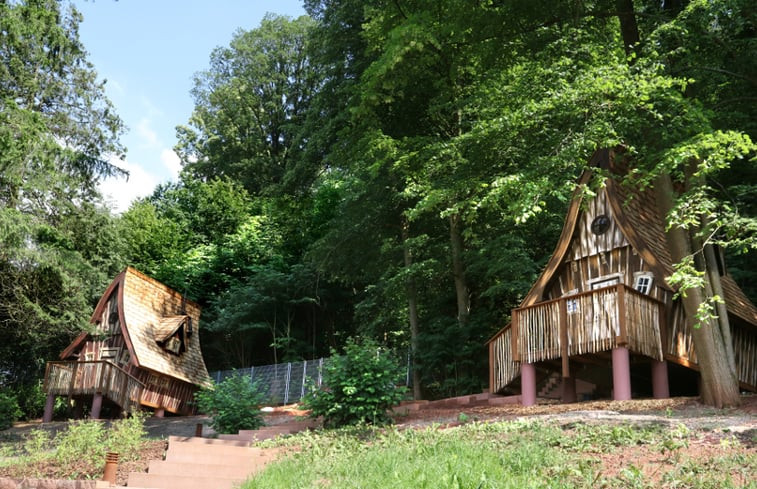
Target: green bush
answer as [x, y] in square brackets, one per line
[233, 405]
[359, 386]
[9, 410]
[82, 442]
[126, 436]
[31, 399]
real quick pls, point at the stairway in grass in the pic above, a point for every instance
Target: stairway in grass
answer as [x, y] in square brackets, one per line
[204, 463]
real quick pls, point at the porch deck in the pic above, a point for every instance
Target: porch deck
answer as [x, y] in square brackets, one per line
[73, 378]
[579, 324]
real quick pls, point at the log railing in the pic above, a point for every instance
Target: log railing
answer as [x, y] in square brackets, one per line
[590, 322]
[91, 377]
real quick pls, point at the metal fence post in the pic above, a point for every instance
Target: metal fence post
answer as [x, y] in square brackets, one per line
[304, 375]
[286, 384]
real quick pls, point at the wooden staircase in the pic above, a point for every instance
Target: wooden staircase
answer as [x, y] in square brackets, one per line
[213, 463]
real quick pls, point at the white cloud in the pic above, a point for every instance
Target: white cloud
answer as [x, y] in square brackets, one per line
[171, 161]
[147, 134]
[120, 192]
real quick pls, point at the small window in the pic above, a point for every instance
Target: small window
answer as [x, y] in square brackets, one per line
[109, 353]
[572, 306]
[88, 357]
[606, 281]
[125, 357]
[643, 282]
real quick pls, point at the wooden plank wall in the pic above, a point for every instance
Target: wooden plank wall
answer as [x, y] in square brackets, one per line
[745, 351]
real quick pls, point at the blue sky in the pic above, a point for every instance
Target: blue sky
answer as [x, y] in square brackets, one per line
[149, 50]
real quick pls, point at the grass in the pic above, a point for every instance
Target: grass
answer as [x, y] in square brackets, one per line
[500, 455]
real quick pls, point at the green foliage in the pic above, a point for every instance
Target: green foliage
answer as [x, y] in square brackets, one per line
[359, 386]
[234, 404]
[88, 441]
[126, 436]
[31, 399]
[82, 441]
[9, 410]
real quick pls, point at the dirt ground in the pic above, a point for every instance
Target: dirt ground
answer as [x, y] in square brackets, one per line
[714, 431]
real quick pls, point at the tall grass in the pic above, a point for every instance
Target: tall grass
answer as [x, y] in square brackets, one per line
[499, 455]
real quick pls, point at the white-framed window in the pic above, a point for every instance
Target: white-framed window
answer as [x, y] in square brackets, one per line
[124, 358]
[109, 353]
[604, 281]
[643, 282]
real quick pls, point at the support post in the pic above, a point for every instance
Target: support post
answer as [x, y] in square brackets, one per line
[564, 352]
[568, 390]
[49, 407]
[660, 387]
[528, 384]
[78, 408]
[159, 413]
[621, 374]
[97, 404]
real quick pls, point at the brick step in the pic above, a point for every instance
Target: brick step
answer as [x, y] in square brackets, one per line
[182, 482]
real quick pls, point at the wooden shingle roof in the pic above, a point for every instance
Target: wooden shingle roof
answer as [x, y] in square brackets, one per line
[150, 312]
[150, 309]
[637, 213]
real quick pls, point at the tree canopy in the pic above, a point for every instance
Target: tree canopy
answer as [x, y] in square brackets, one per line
[395, 170]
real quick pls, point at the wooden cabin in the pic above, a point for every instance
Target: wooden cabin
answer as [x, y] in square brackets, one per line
[144, 352]
[601, 315]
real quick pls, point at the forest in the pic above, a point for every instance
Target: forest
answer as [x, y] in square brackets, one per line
[389, 169]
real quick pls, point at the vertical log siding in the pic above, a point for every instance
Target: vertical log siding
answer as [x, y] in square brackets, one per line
[596, 321]
[89, 378]
[504, 370]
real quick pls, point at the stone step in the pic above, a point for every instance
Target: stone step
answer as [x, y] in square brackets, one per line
[182, 482]
[209, 441]
[164, 467]
[177, 444]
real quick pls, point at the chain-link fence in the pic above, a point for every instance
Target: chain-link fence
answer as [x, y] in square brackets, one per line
[285, 383]
[282, 383]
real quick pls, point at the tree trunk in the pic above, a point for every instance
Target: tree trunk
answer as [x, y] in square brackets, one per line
[458, 269]
[628, 27]
[720, 387]
[412, 306]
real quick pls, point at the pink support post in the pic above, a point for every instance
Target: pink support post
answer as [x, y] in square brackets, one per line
[528, 384]
[159, 413]
[660, 388]
[97, 404]
[568, 390]
[621, 374]
[49, 407]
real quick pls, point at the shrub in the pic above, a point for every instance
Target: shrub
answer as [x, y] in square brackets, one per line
[9, 410]
[31, 399]
[126, 436]
[82, 442]
[233, 405]
[359, 386]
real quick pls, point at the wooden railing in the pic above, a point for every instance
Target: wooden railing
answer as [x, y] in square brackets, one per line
[589, 322]
[90, 377]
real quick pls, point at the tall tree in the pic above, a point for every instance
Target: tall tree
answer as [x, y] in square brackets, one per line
[57, 135]
[250, 106]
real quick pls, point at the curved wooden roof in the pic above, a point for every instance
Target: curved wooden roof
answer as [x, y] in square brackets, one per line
[637, 213]
[148, 310]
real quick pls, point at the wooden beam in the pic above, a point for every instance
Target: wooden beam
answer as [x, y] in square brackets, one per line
[514, 335]
[622, 338]
[563, 308]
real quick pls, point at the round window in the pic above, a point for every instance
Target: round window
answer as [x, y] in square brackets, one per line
[600, 224]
